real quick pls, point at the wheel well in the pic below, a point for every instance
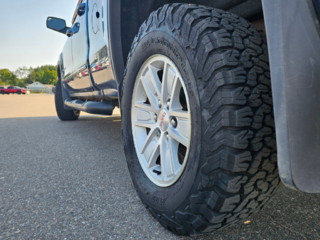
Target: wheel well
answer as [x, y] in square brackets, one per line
[135, 12]
[58, 70]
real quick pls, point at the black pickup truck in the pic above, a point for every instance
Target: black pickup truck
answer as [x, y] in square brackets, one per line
[218, 99]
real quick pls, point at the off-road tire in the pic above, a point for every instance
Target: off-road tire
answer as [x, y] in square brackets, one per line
[232, 164]
[63, 114]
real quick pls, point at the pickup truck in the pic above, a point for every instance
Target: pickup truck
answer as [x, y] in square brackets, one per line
[17, 90]
[218, 99]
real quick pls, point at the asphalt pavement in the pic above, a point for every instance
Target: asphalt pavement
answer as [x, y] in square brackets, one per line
[69, 180]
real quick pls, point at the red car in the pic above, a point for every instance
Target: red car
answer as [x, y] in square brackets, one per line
[17, 90]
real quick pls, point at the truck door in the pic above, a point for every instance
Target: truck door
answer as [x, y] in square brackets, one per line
[99, 50]
[81, 74]
[10, 89]
[66, 67]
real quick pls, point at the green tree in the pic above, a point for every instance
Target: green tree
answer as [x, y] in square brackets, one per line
[28, 81]
[22, 72]
[39, 75]
[48, 76]
[44, 74]
[8, 77]
[31, 77]
[21, 84]
[54, 82]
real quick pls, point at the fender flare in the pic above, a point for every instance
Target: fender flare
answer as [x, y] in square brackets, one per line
[293, 35]
[115, 43]
[65, 94]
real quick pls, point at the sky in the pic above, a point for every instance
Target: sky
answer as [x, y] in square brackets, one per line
[24, 37]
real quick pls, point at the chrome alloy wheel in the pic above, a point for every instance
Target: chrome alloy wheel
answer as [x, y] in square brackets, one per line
[161, 120]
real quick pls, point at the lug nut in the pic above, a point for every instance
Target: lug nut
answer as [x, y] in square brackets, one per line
[158, 133]
[174, 122]
[159, 104]
[168, 104]
[167, 136]
[155, 117]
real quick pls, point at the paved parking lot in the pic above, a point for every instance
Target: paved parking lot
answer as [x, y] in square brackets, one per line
[69, 180]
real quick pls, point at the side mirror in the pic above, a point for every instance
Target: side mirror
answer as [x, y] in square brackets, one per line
[57, 24]
[81, 9]
[69, 33]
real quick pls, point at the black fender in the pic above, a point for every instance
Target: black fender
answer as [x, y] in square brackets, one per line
[115, 43]
[293, 35]
[60, 68]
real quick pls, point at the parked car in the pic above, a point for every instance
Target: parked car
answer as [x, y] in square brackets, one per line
[17, 90]
[95, 67]
[2, 90]
[200, 117]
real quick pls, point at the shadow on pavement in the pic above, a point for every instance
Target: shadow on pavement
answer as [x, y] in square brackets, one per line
[69, 180]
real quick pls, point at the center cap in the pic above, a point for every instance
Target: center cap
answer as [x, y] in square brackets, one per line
[163, 120]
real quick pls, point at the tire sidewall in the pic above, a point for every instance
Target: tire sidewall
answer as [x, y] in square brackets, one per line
[63, 114]
[169, 198]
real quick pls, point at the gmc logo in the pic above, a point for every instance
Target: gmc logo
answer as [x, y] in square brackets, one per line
[163, 116]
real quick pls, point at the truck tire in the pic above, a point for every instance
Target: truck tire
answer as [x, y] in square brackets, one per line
[63, 114]
[221, 62]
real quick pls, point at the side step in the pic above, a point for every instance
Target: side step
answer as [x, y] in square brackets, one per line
[103, 108]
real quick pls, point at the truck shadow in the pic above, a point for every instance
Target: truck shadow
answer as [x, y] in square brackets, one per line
[74, 172]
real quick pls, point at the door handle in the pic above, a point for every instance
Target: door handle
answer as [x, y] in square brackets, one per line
[69, 33]
[81, 9]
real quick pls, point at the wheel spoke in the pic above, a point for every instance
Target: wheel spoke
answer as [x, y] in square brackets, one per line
[154, 156]
[166, 159]
[144, 124]
[150, 94]
[168, 81]
[183, 127]
[150, 141]
[173, 145]
[179, 114]
[176, 135]
[144, 116]
[144, 106]
[155, 80]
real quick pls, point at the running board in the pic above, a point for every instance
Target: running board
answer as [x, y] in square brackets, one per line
[103, 108]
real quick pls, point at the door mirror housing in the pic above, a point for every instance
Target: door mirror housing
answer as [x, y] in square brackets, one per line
[57, 24]
[69, 33]
[81, 9]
